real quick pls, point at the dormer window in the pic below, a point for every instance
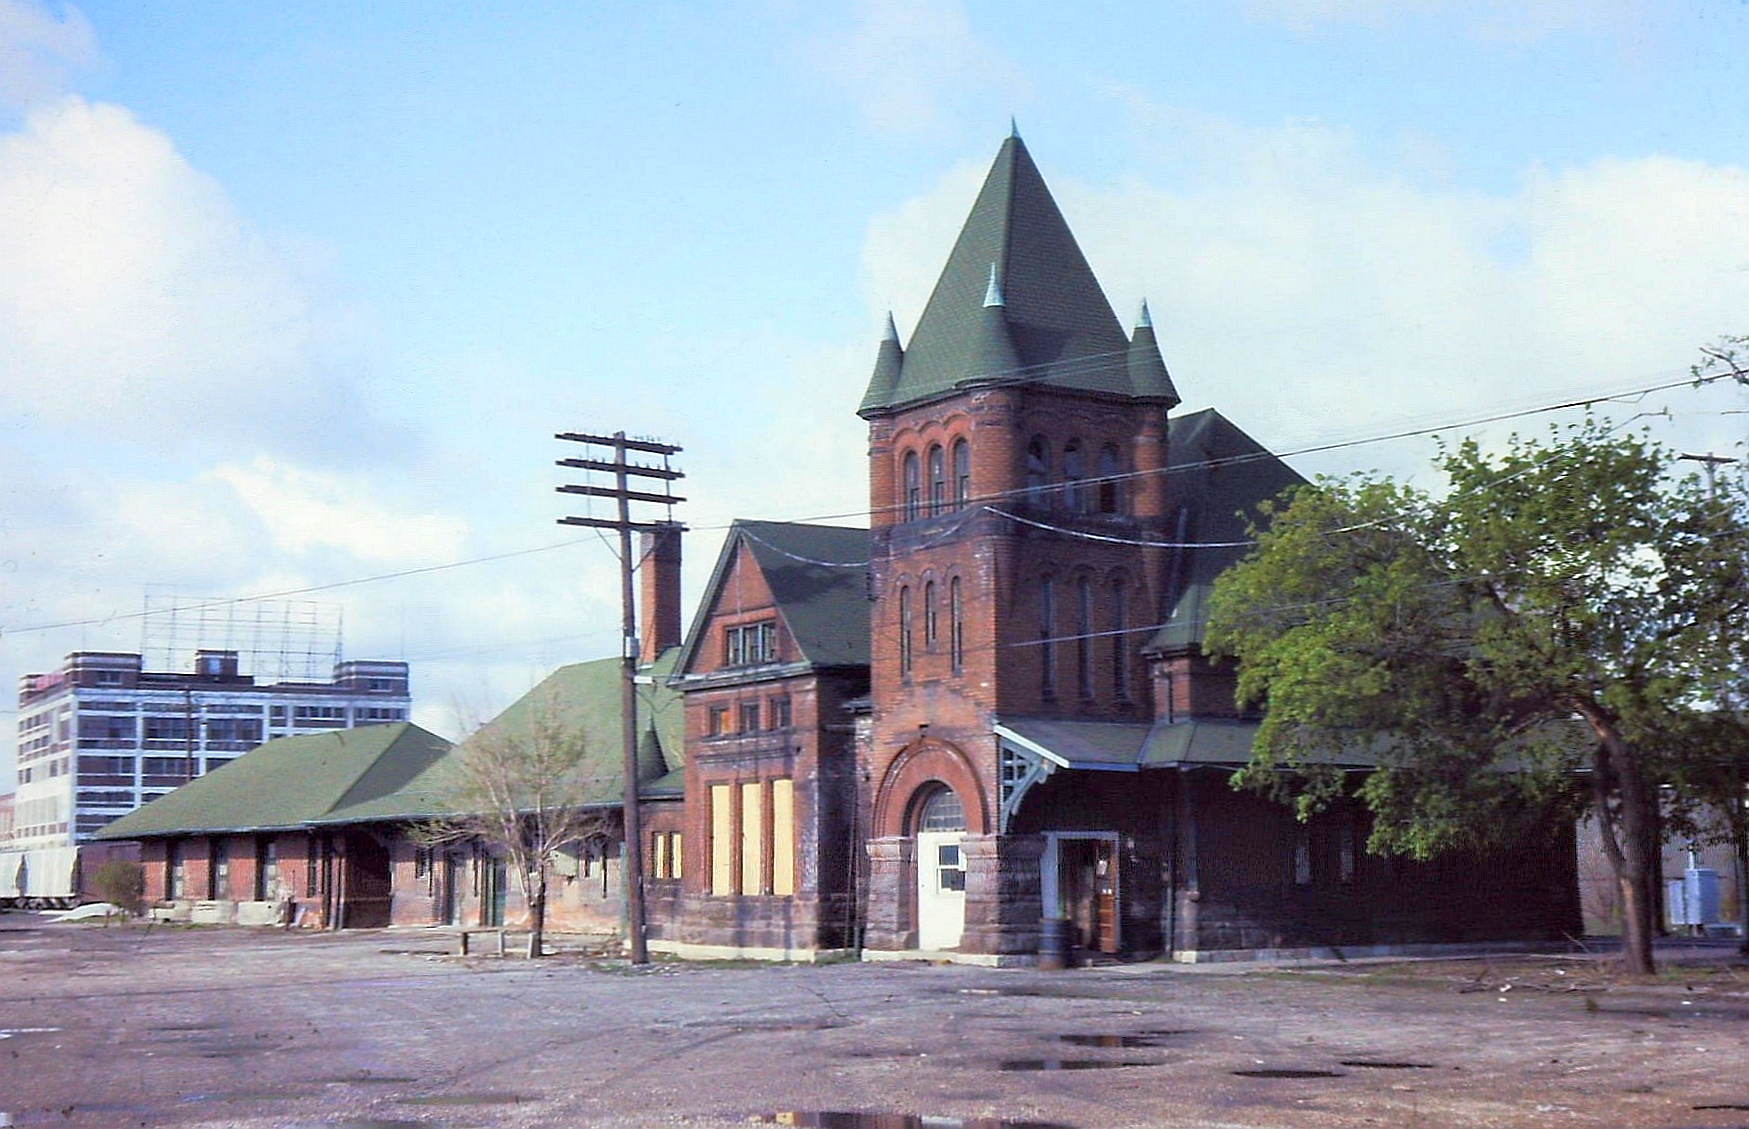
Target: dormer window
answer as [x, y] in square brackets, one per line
[750, 644]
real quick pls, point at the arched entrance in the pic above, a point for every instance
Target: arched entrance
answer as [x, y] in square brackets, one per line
[940, 827]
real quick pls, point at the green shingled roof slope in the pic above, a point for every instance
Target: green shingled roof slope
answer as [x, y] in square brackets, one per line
[290, 782]
[1218, 475]
[586, 695]
[818, 576]
[1061, 327]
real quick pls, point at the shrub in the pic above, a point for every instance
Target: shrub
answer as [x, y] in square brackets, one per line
[121, 883]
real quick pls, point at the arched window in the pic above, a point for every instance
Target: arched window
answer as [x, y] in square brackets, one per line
[905, 632]
[1047, 621]
[1074, 470]
[1084, 636]
[1038, 471]
[962, 474]
[937, 481]
[1110, 487]
[956, 625]
[942, 811]
[1120, 643]
[929, 616]
[913, 487]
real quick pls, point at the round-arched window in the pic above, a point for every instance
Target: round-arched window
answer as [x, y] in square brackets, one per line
[942, 811]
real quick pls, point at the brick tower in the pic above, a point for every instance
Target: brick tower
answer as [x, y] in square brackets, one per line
[1016, 461]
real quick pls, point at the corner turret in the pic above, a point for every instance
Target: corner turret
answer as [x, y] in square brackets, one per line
[889, 364]
[1148, 375]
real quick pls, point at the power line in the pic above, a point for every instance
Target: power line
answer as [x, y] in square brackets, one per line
[1693, 381]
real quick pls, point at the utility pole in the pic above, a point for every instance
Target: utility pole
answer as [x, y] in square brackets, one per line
[623, 471]
[1739, 811]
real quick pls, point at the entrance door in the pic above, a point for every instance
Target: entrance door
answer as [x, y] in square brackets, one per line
[941, 872]
[451, 891]
[1087, 879]
[368, 882]
[494, 887]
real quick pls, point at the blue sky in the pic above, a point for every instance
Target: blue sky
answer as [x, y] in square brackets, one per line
[293, 294]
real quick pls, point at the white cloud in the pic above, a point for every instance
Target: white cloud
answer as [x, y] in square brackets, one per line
[1511, 21]
[40, 53]
[906, 62]
[305, 510]
[1311, 294]
[136, 304]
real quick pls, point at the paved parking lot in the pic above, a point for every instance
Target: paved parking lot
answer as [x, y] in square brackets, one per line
[229, 1027]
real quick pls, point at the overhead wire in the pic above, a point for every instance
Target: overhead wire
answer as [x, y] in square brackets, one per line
[1695, 380]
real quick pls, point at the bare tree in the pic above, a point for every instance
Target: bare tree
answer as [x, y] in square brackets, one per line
[522, 786]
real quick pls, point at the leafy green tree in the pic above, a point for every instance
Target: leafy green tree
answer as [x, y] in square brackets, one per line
[1539, 635]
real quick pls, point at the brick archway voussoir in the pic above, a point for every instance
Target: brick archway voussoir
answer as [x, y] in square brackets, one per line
[921, 763]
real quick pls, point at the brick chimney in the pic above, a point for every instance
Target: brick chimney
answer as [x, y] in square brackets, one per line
[659, 554]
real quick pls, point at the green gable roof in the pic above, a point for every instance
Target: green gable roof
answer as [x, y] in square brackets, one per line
[1216, 476]
[291, 782]
[818, 578]
[586, 696]
[1042, 320]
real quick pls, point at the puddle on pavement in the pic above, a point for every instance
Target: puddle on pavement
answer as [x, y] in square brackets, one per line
[484, 1098]
[369, 1080]
[1376, 1064]
[1034, 1064]
[1122, 1042]
[1263, 1072]
[248, 1096]
[1723, 1105]
[179, 1027]
[846, 1119]
[13, 1032]
[769, 1025]
[363, 1123]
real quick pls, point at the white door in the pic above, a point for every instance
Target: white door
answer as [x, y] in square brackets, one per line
[941, 889]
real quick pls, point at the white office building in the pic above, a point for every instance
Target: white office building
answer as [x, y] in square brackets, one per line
[102, 736]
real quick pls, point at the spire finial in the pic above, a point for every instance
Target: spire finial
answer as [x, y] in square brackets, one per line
[1013, 128]
[993, 294]
[1144, 320]
[892, 331]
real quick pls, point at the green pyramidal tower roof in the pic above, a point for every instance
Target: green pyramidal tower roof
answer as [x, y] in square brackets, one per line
[1060, 330]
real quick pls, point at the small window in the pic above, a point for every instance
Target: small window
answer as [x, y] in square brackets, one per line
[929, 615]
[1084, 636]
[1120, 647]
[750, 644]
[1047, 623]
[962, 475]
[913, 487]
[719, 721]
[778, 717]
[937, 481]
[749, 717]
[956, 625]
[1074, 471]
[1038, 471]
[905, 632]
[1110, 490]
